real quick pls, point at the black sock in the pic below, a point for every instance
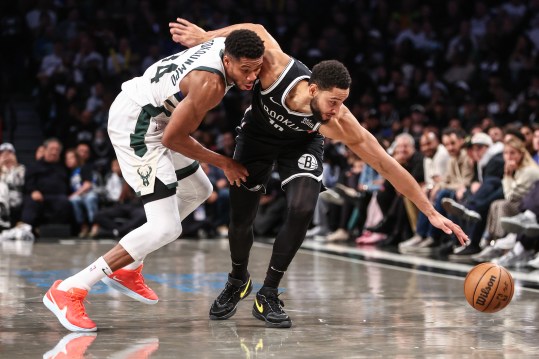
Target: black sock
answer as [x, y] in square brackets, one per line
[273, 277]
[239, 271]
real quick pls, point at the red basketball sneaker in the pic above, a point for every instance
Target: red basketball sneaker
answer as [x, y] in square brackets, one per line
[131, 283]
[69, 308]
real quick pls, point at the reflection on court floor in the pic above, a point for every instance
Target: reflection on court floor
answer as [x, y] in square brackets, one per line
[344, 303]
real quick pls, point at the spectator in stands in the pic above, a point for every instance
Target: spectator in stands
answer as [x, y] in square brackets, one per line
[83, 196]
[459, 174]
[217, 207]
[535, 142]
[520, 174]
[396, 221]
[46, 189]
[485, 189]
[435, 166]
[114, 184]
[11, 186]
[333, 164]
[348, 181]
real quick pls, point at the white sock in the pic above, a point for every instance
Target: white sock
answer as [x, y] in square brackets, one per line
[86, 278]
[137, 263]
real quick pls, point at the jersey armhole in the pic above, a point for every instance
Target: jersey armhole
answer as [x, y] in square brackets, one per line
[317, 125]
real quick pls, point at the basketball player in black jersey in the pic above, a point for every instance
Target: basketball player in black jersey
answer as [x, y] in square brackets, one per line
[292, 111]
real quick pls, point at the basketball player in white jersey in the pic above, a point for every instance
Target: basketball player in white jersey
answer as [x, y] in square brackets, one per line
[175, 92]
[291, 112]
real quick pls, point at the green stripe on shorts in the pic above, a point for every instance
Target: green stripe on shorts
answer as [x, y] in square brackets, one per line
[187, 171]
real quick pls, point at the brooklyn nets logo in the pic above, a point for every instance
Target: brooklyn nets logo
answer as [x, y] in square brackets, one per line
[307, 162]
[145, 174]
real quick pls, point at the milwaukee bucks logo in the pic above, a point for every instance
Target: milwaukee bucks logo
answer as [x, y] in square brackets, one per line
[144, 173]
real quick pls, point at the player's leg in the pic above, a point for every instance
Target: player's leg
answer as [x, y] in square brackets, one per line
[244, 200]
[162, 226]
[65, 298]
[243, 208]
[300, 169]
[301, 197]
[193, 189]
[143, 163]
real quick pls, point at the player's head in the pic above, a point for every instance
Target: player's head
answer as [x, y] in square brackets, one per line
[244, 51]
[329, 86]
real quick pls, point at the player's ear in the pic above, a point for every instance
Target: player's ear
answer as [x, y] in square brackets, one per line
[313, 90]
[226, 60]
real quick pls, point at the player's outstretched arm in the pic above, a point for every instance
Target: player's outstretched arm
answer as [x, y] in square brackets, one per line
[346, 128]
[189, 34]
[204, 90]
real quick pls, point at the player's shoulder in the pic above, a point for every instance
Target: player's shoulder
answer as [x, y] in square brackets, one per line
[206, 81]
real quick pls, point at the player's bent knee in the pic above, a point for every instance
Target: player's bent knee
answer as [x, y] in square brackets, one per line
[301, 212]
[158, 236]
[170, 232]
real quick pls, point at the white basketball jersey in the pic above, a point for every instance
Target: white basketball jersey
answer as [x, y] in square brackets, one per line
[159, 86]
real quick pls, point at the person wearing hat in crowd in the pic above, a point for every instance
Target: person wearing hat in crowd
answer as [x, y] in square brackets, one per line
[11, 186]
[485, 189]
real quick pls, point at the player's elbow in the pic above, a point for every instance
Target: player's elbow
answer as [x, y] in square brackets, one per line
[259, 29]
[167, 140]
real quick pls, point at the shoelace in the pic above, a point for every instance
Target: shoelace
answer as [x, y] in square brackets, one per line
[78, 306]
[226, 294]
[140, 280]
[275, 303]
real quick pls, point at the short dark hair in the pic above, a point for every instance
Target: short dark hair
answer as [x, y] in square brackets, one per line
[516, 133]
[244, 43]
[448, 131]
[329, 74]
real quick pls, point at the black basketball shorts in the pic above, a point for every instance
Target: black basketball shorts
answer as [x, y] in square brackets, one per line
[291, 158]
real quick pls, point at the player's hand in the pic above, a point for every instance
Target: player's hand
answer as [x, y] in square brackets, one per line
[186, 33]
[446, 225]
[235, 172]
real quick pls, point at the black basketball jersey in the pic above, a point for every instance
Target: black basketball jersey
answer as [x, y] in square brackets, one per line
[269, 116]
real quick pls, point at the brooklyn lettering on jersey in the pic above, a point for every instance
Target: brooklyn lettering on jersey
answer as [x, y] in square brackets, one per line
[181, 68]
[274, 116]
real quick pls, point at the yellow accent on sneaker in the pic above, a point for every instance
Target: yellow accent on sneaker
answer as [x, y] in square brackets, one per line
[259, 307]
[242, 294]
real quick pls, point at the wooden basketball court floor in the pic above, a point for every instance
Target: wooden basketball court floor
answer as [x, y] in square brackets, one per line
[344, 303]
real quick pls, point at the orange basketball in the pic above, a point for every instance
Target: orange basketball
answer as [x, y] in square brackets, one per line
[488, 287]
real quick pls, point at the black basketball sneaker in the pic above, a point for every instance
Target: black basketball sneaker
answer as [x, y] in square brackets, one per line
[225, 305]
[269, 308]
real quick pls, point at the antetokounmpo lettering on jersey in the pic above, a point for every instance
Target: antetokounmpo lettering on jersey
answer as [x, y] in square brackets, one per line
[181, 68]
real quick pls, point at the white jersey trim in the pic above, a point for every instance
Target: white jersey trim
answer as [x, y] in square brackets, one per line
[279, 79]
[287, 91]
[286, 180]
